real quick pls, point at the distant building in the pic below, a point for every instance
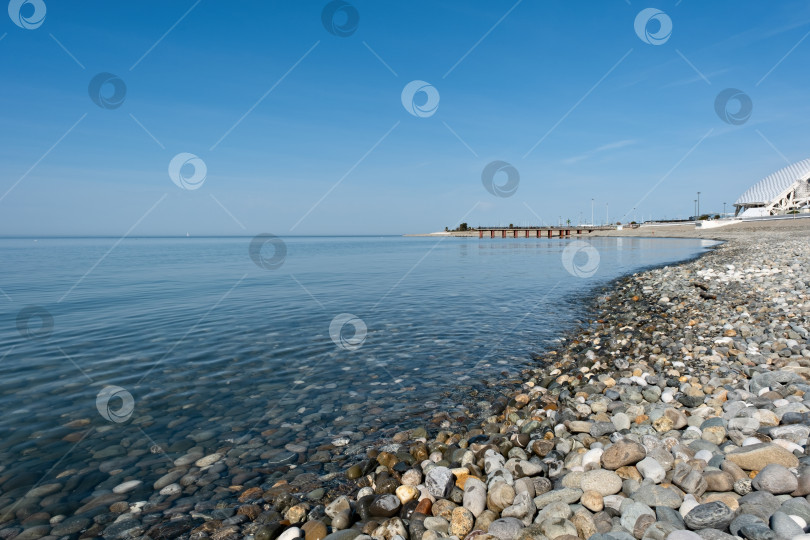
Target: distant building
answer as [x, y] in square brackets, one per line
[783, 192]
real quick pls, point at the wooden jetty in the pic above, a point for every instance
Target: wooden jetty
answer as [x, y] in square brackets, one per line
[535, 232]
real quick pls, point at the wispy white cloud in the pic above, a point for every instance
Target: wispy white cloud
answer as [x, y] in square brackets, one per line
[599, 149]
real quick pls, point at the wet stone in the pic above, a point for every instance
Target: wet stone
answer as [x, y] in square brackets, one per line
[385, 506]
[70, 525]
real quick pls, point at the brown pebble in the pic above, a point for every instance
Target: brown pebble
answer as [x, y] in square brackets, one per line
[252, 511]
[629, 472]
[387, 459]
[314, 530]
[250, 494]
[729, 499]
[593, 501]
[444, 508]
[120, 507]
[424, 507]
[733, 469]
[718, 481]
[74, 437]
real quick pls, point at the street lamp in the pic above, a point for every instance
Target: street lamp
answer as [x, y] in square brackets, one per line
[607, 218]
[724, 210]
[698, 205]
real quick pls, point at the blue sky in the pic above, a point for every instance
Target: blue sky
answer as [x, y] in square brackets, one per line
[625, 122]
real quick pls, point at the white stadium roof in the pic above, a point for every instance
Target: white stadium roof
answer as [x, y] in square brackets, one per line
[771, 187]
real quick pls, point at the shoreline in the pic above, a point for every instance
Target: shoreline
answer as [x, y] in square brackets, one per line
[529, 465]
[731, 231]
[538, 443]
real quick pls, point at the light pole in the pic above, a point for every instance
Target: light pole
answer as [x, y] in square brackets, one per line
[724, 210]
[698, 205]
[591, 211]
[607, 218]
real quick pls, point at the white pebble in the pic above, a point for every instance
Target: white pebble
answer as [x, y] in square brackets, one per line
[289, 534]
[171, 489]
[590, 460]
[689, 502]
[705, 455]
[208, 460]
[788, 445]
[127, 486]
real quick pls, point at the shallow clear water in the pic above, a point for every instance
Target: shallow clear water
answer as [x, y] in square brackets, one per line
[218, 353]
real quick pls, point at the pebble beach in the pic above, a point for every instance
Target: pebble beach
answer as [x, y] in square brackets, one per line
[678, 411]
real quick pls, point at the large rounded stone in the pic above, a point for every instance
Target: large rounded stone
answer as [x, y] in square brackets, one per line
[505, 528]
[713, 515]
[602, 481]
[775, 479]
[475, 496]
[784, 525]
[756, 457]
[384, 506]
[622, 453]
[461, 522]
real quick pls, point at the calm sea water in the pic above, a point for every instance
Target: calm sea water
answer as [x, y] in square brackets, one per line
[220, 355]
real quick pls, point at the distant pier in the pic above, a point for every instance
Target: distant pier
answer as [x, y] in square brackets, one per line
[537, 232]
